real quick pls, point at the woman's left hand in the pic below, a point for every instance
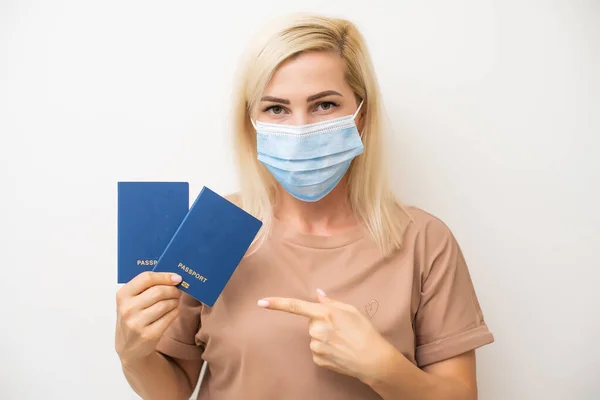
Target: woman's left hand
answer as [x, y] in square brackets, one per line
[342, 338]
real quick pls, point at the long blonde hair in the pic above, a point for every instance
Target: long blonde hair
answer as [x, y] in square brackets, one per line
[369, 192]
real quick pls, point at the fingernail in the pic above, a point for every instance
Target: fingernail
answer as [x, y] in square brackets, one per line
[321, 292]
[263, 303]
[176, 278]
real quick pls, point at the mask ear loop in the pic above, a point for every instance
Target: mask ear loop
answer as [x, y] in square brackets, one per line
[358, 109]
[253, 124]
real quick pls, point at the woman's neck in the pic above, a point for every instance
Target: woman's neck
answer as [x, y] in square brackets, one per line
[324, 218]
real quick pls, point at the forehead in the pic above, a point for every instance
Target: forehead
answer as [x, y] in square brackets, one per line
[308, 73]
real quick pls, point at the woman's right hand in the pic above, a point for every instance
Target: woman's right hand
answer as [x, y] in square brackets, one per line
[146, 306]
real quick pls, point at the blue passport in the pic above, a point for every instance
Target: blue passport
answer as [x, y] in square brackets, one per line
[149, 214]
[209, 245]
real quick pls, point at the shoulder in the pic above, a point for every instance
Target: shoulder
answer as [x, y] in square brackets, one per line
[427, 225]
[433, 243]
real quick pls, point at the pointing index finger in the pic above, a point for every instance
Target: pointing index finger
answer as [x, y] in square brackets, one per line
[293, 306]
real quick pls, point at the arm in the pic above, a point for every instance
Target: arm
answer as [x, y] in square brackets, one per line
[452, 379]
[160, 377]
[343, 340]
[449, 326]
[154, 337]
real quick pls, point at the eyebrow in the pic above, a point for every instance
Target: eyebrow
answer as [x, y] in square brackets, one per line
[308, 99]
[275, 100]
[322, 94]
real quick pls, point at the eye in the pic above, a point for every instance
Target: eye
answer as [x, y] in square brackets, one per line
[326, 106]
[277, 110]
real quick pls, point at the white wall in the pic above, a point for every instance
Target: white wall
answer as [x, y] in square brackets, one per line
[495, 107]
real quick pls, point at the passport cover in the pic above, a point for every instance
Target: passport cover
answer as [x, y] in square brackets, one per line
[149, 214]
[208, 246]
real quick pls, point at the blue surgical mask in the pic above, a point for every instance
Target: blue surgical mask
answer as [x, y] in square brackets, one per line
[309, 160]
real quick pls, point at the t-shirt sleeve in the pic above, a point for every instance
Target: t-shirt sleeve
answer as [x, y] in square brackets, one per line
[179, 340]
[449, 320]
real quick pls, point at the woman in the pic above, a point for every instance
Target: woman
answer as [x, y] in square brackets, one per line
[346, 294]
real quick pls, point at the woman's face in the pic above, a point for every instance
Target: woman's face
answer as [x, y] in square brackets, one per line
[305, 89]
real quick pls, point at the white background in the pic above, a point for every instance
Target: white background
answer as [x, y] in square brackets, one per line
[495, 107]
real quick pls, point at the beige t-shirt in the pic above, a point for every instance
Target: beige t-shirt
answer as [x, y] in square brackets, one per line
[421, 299]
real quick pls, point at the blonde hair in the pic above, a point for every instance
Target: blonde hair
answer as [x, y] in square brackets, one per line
[369, 193]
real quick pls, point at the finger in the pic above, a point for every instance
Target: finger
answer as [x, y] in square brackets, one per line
[320, 330]
[294, 306]
[155, 294]
[157, 328]
[322, 297]
[157, 311]
[319, 348]
[147, 279]
[326, 362]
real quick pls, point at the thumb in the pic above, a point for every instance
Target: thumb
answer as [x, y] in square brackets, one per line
[322, 297]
